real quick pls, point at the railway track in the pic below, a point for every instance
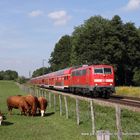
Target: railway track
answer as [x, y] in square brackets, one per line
[115, 99]
[124, 100]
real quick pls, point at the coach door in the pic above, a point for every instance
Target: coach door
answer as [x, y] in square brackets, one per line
[66, 80]
[88, 76]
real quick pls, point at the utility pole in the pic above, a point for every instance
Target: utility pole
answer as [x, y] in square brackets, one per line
[29, 74]
[43, 65]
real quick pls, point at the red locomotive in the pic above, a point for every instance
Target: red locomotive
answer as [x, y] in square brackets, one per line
[96, 80]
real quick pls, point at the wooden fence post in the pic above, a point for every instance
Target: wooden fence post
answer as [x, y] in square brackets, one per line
[50, 104]
[118, 122]
[33, 91]
[27, 90]
[44, 94]
[60, 102]
[66, 107]
[54, 103]
[92, 117]
[30, 90]
[77, 111]
[41, 92]
[37, 92]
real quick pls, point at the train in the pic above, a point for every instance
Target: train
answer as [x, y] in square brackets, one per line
[93, 80]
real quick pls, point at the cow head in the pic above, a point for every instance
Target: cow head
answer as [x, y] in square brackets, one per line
[1, 118]
[42, 113]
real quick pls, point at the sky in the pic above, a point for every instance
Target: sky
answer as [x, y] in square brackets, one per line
[29, 29]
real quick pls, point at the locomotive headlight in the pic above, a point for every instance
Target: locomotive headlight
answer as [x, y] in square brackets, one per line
[110, 84]
[96, 84]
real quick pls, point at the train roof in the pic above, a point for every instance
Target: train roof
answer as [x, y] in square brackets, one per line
[67, 71]
[59, 72]
[86, 66]
[103, 65]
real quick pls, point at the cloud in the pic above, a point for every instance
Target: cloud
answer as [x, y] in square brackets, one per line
[59, 17]
[132, 5]
[36, 13]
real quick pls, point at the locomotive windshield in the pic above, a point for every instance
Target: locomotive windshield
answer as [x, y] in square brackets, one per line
[107, 71]
[98, 70]
[102, 70]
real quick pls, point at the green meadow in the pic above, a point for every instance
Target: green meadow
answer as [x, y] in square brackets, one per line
[54, 127]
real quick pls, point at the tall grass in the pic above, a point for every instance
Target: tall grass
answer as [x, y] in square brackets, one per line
[128, 91]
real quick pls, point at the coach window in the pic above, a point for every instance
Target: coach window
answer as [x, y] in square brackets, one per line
[77, 73]
[65, 78]
[73, 73]
[80, 72]
[84, 72]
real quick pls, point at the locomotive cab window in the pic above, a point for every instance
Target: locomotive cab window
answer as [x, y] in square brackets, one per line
[102, 71]
[98, 70]
[107, 71]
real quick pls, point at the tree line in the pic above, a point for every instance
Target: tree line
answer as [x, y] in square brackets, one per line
[8, 75]
[100, 41]
[12, 75]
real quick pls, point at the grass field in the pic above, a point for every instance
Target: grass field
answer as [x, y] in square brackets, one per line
[128, 91]
[54, 127]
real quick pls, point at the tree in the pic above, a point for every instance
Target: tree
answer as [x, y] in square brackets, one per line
[10, 75]
[22, 79]
[88, 41]
[60, 57]
[136, 76]
[102, 41]
[1, 75]
[41, 71]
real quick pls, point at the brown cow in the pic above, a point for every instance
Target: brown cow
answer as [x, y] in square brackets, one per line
[42, 104]
[18, 102]
[33, 102]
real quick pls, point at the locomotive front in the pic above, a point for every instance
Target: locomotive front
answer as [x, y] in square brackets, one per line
[103, 80]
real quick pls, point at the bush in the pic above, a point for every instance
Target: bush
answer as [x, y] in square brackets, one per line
[136, 77]
[21, 80]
